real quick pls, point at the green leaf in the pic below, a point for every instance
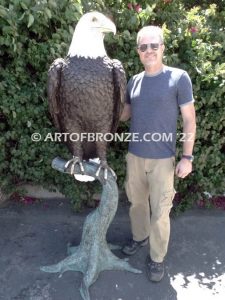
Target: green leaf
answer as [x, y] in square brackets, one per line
[78, 8]
[23, 5]
[3, 11]
[21, 18]
[48, 13]
[30, 20]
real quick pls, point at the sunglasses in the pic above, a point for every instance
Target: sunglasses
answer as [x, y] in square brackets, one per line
[153, 46]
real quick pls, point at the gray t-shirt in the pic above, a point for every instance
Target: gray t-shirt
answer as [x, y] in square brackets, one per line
[155, 102]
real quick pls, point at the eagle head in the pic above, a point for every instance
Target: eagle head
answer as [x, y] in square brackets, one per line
[89, 34]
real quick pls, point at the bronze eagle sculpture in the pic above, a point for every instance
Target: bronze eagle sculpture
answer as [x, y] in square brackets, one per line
[86, 91]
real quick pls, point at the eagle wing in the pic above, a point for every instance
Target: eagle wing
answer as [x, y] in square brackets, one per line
[53, 90]
[119, 81]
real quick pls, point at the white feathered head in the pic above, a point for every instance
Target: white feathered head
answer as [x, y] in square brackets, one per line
[89, 35]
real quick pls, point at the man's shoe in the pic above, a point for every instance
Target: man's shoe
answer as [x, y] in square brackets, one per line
[155, 270]
[134, 246]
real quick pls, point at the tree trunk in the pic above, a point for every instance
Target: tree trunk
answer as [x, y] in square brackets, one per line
[93, 255]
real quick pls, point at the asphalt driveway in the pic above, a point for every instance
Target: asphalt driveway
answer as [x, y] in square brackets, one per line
[36, 234]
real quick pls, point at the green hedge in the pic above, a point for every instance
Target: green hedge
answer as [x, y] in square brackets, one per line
[34, 33]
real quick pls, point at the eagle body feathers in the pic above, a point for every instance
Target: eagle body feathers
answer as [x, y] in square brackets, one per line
[86, 92]
[86, 96]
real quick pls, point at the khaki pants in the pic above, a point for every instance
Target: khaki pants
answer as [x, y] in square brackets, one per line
[149, 187]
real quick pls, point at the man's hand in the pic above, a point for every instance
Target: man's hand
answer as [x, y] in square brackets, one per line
[183, 168]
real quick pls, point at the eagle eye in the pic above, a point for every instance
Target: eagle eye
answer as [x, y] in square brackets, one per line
[94, 19]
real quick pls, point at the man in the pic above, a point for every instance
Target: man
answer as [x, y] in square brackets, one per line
[154, 98]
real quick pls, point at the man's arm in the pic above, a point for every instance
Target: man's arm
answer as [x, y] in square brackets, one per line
[126, 113]
[184, 167]
[189, 128]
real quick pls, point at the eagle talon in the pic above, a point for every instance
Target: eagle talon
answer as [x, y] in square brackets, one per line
[106, 169]
[72, 162]
[98, 171]
[105, 174]
[113, 173]
[81, 167]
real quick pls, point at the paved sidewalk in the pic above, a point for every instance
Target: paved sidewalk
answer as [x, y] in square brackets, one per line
[37, 234]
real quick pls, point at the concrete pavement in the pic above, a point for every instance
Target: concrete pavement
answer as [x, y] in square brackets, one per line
[37, 234]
